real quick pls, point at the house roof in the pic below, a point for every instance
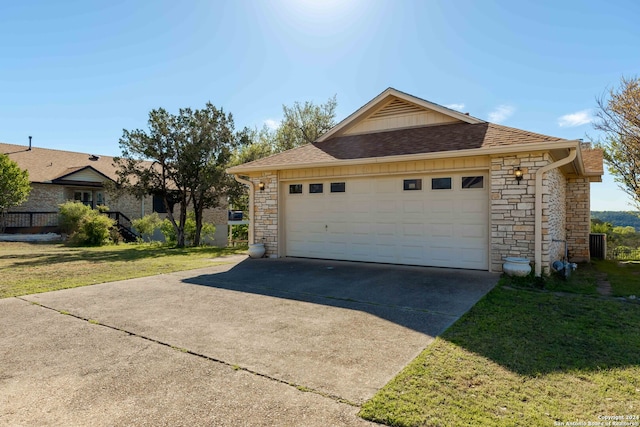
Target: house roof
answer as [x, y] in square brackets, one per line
[392, 96]
[592, 159]
[46, 165]
[404, 142]
[396, 126]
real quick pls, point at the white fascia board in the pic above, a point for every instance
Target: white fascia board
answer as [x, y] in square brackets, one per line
[412, 157]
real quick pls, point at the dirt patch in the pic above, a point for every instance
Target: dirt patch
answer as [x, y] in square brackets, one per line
[603, 286]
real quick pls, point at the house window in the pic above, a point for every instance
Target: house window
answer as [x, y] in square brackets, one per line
[315, 188]
[337, 187]
[412, 184]
[441, 183]
[99, 199]
[158, 204]
[472, 182]
[295, 189]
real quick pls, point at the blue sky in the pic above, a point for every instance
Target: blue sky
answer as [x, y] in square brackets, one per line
[73, 74]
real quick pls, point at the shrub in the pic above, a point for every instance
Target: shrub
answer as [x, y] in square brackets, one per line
[71, 214]
[147, 225]
[169, 233]
[84, 225]
[94, 230]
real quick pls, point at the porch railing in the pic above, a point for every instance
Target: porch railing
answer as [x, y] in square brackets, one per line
[30, 219]
[38, 222]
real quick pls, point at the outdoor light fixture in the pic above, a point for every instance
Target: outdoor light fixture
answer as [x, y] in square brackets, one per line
[518, 174]
[261, 186]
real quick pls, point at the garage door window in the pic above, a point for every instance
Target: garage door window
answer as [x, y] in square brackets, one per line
[337, 187]
[315, 188]
[472, 182]
[412, 184]
[295, 189]
[441, 183]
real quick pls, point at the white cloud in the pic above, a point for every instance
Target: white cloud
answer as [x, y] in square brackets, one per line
[272, 124]
[457, 107]
[578, 118]
[501, 113]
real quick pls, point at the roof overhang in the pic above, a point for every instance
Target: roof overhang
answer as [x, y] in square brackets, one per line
[556, 148]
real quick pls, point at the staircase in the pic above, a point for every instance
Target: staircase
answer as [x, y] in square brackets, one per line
[124, 225]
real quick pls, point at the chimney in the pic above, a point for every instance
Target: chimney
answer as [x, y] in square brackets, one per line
[29, 144]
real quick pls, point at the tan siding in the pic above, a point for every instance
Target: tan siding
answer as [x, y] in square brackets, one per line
[399, 121]
[480, 162]
[86, 175]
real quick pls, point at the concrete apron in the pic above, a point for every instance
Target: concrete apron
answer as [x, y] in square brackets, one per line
[260, 342]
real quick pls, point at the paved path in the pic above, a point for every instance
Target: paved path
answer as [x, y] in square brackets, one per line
[256, 342]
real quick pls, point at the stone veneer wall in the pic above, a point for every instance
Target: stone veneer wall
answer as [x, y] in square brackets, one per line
[578, 218]
[512, 207]
[554, 212]
[265, 214]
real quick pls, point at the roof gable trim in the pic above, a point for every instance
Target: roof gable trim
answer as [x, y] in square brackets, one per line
[70, 176]
[396, 102]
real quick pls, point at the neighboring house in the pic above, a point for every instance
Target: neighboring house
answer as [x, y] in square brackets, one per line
[59, 176]
[406, 181]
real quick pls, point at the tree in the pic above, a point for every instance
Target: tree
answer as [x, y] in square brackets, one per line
[253, 144]
[304, 123]
[14, 186]
[619, 119]
[181, 159]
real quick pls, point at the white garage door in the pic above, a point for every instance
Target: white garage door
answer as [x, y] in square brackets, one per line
[418, 220]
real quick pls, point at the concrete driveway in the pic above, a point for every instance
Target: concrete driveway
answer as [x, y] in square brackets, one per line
[251, 342]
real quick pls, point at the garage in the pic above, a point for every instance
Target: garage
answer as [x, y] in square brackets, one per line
[431, 220]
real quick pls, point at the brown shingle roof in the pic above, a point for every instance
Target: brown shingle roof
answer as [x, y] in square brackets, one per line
[592, 159]
[45, 165]
[420, 140]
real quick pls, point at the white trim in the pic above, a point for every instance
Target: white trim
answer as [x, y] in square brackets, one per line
[546, 146]
[391, 92]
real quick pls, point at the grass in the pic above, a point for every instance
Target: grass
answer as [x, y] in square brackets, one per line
[28, 268]
[522, 357]
[624, 276]
[582, 281]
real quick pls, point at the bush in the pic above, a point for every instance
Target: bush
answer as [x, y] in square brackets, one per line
[147, 225]
[84, 225]
[169, 233]
[71, 214]
[94, 230]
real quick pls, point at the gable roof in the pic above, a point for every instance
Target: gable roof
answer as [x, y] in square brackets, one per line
[392, 101]
[80, 173]
[593, 161]
[447, 140]
[47, 165]
[368, 136]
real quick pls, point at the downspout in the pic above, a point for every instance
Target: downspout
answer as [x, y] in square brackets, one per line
[251, 210]
[538, 207]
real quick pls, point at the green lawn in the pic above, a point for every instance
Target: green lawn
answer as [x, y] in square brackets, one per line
[523, 357]
[27, 268]
[624, 276]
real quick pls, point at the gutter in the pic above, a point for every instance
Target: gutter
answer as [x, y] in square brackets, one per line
[251, 210]
[538, 206]
[523, 148]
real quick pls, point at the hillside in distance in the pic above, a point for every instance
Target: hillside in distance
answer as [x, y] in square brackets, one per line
[618, 218]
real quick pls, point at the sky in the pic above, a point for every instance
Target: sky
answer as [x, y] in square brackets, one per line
[74, 74]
